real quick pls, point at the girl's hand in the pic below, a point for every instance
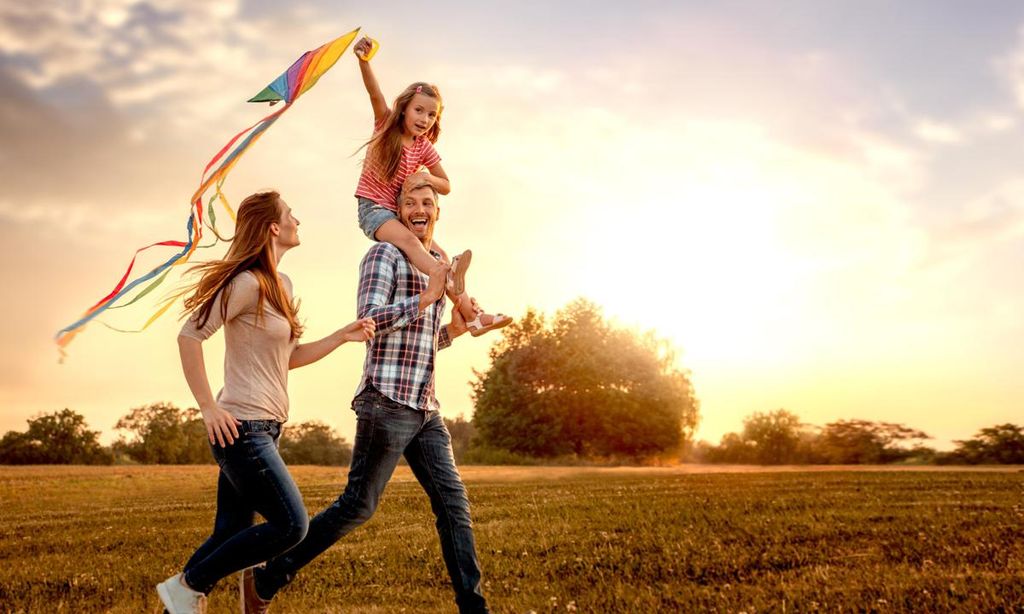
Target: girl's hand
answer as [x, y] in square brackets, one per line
[362, 48]
[221, 426]
[360, 330]
[416, 180]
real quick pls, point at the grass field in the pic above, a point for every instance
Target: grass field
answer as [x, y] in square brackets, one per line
[90, 539]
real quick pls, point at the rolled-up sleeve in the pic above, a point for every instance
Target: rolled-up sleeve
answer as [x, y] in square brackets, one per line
[377, 279]
[444, 339]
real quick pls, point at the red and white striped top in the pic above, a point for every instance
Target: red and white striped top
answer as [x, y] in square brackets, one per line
[420, 153]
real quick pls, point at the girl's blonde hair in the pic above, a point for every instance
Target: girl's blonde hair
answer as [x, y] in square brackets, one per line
[384, 149]
[252, 249]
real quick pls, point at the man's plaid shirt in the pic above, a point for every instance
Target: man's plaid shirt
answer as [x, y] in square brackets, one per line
[400, 357]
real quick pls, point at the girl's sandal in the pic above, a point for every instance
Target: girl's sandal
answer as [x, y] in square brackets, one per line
[457, 274]
[477, 327]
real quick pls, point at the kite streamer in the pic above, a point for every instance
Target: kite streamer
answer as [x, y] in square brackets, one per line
[288, 87]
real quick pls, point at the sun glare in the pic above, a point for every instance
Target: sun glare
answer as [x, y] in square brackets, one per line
[707, 268]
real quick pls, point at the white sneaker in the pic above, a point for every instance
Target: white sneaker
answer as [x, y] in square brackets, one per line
[180, 599]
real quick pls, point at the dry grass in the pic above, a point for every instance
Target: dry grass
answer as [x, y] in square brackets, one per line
[725, 539]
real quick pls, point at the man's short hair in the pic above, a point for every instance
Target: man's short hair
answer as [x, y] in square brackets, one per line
[401, 195]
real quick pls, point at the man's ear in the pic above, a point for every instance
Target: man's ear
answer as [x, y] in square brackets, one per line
[438, 216]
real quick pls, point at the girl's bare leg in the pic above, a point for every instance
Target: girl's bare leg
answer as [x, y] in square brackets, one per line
[466, 304]
[395, 233]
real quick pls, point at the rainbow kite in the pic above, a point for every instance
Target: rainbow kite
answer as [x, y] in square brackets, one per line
[293, 83]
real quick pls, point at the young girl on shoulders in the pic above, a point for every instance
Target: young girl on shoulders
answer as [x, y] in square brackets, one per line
[403, 143]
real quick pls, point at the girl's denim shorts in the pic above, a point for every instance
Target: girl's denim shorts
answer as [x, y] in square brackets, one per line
[372, 216]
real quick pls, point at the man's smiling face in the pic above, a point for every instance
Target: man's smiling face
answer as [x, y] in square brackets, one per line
[418, 211]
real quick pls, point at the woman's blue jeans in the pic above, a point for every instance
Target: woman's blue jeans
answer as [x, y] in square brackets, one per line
[253, 478]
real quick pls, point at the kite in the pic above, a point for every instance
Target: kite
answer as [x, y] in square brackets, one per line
[288, 87]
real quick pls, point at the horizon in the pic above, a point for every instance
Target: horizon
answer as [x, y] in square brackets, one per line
[820, 208]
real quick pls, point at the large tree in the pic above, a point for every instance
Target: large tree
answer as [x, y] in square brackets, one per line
[62, 437]
[579, 385]
[160, 433]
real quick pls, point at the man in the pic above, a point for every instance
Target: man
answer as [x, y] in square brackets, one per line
[396, 414]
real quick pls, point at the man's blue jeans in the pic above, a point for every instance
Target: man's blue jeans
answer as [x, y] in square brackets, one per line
[385, 430]
[253, 478]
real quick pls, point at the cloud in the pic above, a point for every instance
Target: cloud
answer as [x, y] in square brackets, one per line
[1011, 68]
[995, 217]
[192, 62]
[937, 132]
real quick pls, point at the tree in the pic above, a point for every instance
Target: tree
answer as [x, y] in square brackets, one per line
[462, 432]
[581, 386]
[314, 443]
[768, 438]
[1000, 444]
[778, 437]
[773, 436]
[849, 442]
[58, 438]
[732, 449]
[162, 434]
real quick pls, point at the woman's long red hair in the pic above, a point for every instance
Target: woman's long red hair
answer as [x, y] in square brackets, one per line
[252, 249]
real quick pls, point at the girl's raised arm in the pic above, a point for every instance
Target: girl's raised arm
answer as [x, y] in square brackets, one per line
[377, 100]
[435, 177]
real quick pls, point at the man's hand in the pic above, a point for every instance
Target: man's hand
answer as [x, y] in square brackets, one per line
[221, 426]
[360, 330]
[435, 287]
[458, 324]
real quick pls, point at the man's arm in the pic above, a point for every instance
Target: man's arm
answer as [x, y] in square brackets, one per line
[377, 283]
[450, 331]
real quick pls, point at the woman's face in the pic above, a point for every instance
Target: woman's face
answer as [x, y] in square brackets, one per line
[288, 226]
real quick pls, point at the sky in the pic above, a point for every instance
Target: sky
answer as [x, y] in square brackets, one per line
[820, 205]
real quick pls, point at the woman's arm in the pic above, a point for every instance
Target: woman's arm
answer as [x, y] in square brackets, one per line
[308, 353]
[221, 427]
[377, 100]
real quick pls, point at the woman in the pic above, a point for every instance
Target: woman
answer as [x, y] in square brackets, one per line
[245, 293]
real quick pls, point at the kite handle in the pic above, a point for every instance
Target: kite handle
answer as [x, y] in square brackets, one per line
[374, 46]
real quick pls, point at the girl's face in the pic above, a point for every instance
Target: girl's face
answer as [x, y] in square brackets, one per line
[420, 115]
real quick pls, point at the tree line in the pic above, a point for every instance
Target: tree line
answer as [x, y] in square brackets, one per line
[159, 434]
[780, 438]
[163, 434]
[572, 388]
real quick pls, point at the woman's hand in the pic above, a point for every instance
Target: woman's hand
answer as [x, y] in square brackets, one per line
[360, 330]
[221, 426]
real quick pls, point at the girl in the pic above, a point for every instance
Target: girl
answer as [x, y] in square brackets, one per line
[402, 142]
[247, 295]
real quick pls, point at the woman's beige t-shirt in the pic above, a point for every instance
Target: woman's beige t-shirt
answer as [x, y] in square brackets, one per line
[256, 356]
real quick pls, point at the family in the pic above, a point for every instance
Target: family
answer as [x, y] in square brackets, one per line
[404, 280]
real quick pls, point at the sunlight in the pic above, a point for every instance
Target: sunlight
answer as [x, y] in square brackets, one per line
[708, 269]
